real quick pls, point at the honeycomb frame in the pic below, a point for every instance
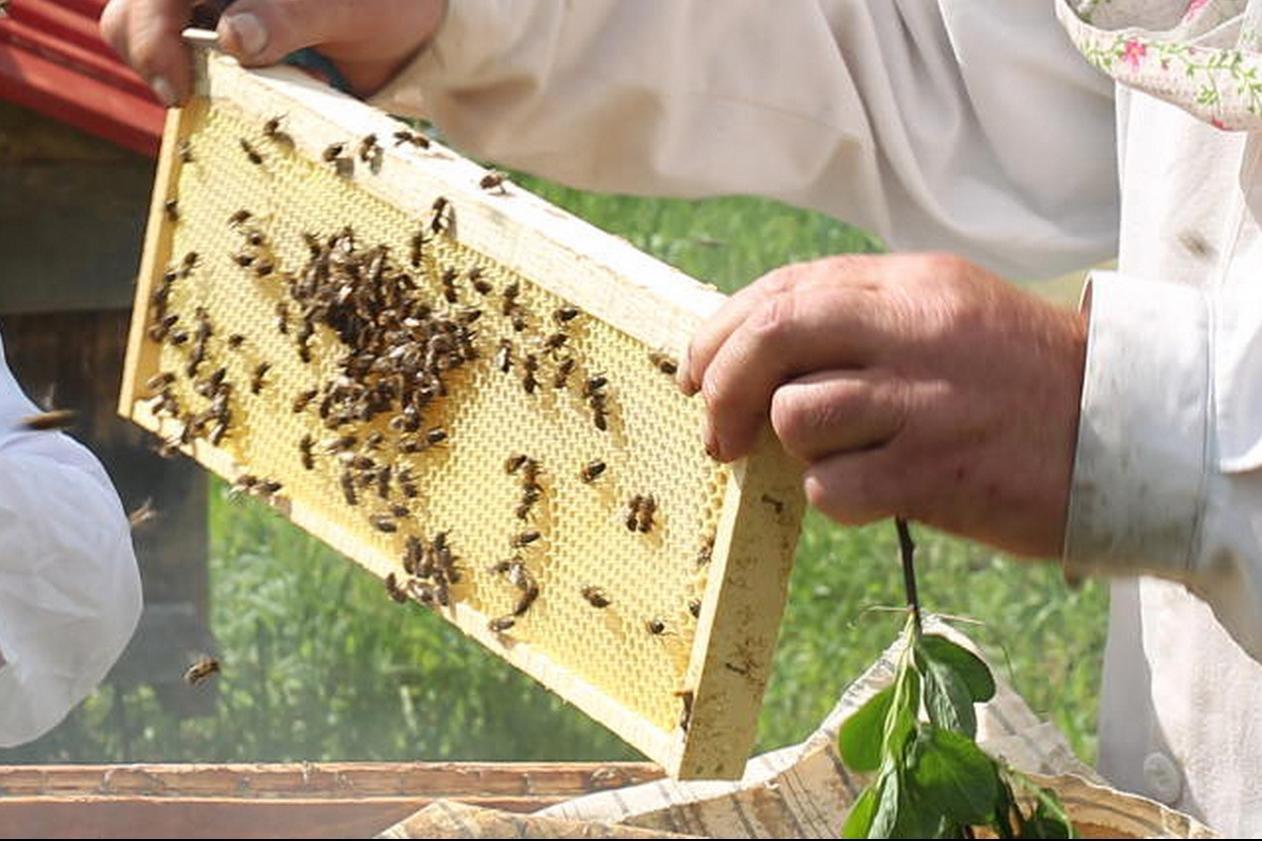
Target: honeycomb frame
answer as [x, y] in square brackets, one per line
[692, 707]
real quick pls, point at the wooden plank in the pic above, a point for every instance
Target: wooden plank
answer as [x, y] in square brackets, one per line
[94, 817]
[623, 293]
[142, 355]
[312, 780]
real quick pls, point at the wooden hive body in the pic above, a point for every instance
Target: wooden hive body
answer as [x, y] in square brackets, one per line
[634, 664]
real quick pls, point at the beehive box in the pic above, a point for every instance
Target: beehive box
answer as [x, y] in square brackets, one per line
[428, 371]
[278, 800]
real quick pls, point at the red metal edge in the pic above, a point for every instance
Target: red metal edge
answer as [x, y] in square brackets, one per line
[53, 62]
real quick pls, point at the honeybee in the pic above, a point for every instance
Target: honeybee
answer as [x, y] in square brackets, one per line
[239, 218]
[694, 607]
[444, 216]
[146, 513]
[563, 314]
[493, 180]
[332, 152]
[504, 356]
[524, 538]
[562, 376]
[706, 551]
[256, 380]
[201, 670]
[171, 208]
[556, 341]
[530, 592]
[515, 462]
[591, 470]
[656, 627]
[393, 589]
[416, 139]
[160, 380]
[185, 151]
[235, 341]
[480, 284]
[596, 597]
[368, 148]
[304, 449]
[282, 318]
[664, 363]
[639, 512]
[501, 624]
[407, 484]
[54, 419]
[304, 399]
[417, 244]
[250, 152]
[384, 522]
[348, 488]
[271, 128]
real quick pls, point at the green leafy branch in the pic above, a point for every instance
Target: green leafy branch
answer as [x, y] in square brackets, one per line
[931, 779]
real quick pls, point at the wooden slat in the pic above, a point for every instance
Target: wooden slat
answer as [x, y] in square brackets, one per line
[312, 780]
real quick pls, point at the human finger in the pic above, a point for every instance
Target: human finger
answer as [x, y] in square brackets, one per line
[830, 412]
[785, 337]
[860, 487]
[146, 33]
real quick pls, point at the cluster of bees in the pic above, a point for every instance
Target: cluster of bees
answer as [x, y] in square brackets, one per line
[408, 334]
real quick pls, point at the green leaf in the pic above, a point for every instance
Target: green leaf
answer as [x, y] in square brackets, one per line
[862, 734]
[898, 814]
[900, 724]
[947, 699]
[859, 820]
[951, 775]
[967, 665]
[887, 803]
[1050, 820]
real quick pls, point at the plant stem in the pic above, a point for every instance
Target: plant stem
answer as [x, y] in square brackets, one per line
[907, 549]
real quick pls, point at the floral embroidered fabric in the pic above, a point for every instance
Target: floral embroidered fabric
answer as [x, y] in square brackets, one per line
[1204, 56]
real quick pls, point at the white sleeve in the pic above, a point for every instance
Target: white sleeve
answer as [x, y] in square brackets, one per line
[69, 585]
[1168, 472]
[966, 125]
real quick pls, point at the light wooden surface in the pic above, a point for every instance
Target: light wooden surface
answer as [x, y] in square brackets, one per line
[290, 800]
[724, 664]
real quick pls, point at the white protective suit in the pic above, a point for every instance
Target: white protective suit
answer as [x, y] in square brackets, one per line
[69, 586]
[978, 126]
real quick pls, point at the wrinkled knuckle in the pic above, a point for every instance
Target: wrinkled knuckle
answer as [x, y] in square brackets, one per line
[773, 319]
[147, 60]
[111, 24]
[715, 391]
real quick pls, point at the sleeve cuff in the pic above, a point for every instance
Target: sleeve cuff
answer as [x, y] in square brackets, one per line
[1140, 467]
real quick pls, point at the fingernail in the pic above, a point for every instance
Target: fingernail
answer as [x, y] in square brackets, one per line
[707, 438]
[683, 377]
[249, 32]
[162, 88]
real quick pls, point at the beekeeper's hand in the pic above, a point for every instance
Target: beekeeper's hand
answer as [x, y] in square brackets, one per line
[912, 385]
[368, 40]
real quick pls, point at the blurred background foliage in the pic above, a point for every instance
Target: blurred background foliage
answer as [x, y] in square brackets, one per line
[319, 665]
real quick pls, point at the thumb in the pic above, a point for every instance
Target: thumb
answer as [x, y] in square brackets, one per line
[258, 32]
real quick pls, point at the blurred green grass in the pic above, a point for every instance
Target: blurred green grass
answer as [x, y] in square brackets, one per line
[317, 664]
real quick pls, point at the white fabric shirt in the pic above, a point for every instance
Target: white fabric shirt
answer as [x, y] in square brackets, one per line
[69, 585]
[974, 126]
